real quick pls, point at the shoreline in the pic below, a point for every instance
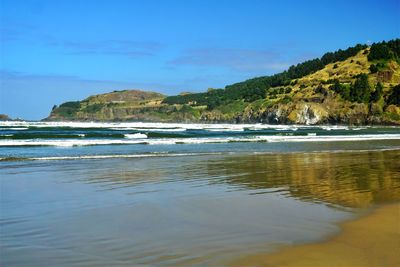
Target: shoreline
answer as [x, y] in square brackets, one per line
[223, 153]
[370, 240]
[201, 122]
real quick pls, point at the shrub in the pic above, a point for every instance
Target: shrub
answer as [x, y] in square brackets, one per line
[341, 89]
[373, 68]
[377, 94]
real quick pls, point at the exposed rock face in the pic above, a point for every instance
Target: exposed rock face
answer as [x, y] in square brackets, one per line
[384, 76]
[299, 113]
[307, 113]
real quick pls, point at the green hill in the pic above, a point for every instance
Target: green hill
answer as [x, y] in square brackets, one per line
[359, 85]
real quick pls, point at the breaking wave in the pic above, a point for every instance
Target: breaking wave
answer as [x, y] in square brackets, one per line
[142, 139]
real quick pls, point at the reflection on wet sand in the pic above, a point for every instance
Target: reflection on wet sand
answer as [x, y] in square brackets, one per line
[345, 179]
[202, 210]
[356, 179]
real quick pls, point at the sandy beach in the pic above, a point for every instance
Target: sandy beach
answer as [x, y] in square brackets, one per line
[373, 240]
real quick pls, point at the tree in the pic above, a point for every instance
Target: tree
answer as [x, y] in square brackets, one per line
[394, 97]
[377, 94]
[373, 68]
[361, 90]
[345, 92]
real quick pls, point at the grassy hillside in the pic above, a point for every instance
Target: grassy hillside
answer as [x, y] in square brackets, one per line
[359, 85]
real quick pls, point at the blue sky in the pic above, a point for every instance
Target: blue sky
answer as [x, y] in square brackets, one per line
[57, 51]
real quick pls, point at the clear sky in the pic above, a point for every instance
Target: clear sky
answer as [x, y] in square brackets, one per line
[52, 51]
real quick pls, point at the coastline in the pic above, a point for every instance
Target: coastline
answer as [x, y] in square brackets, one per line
[370, 240]
[326, 123]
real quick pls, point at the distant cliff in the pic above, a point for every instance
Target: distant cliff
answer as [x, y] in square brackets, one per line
[359, 85]
[4, 117]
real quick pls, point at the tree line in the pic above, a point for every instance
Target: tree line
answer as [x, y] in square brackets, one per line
[256, 88]
[385, 50]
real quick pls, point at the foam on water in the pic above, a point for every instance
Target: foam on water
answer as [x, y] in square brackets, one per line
[334, 127]
[172, 127]
[136, 136]
[13, 128]
[150, 126]
[331, 138]
[140, 139]
[148, 155]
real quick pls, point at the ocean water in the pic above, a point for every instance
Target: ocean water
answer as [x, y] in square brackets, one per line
[74, 140]
[153, 194]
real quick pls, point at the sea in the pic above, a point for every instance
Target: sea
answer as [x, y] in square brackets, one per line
[176, 194]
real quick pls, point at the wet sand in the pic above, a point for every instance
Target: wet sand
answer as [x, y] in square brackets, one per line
[373, 240]
[208, 210]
